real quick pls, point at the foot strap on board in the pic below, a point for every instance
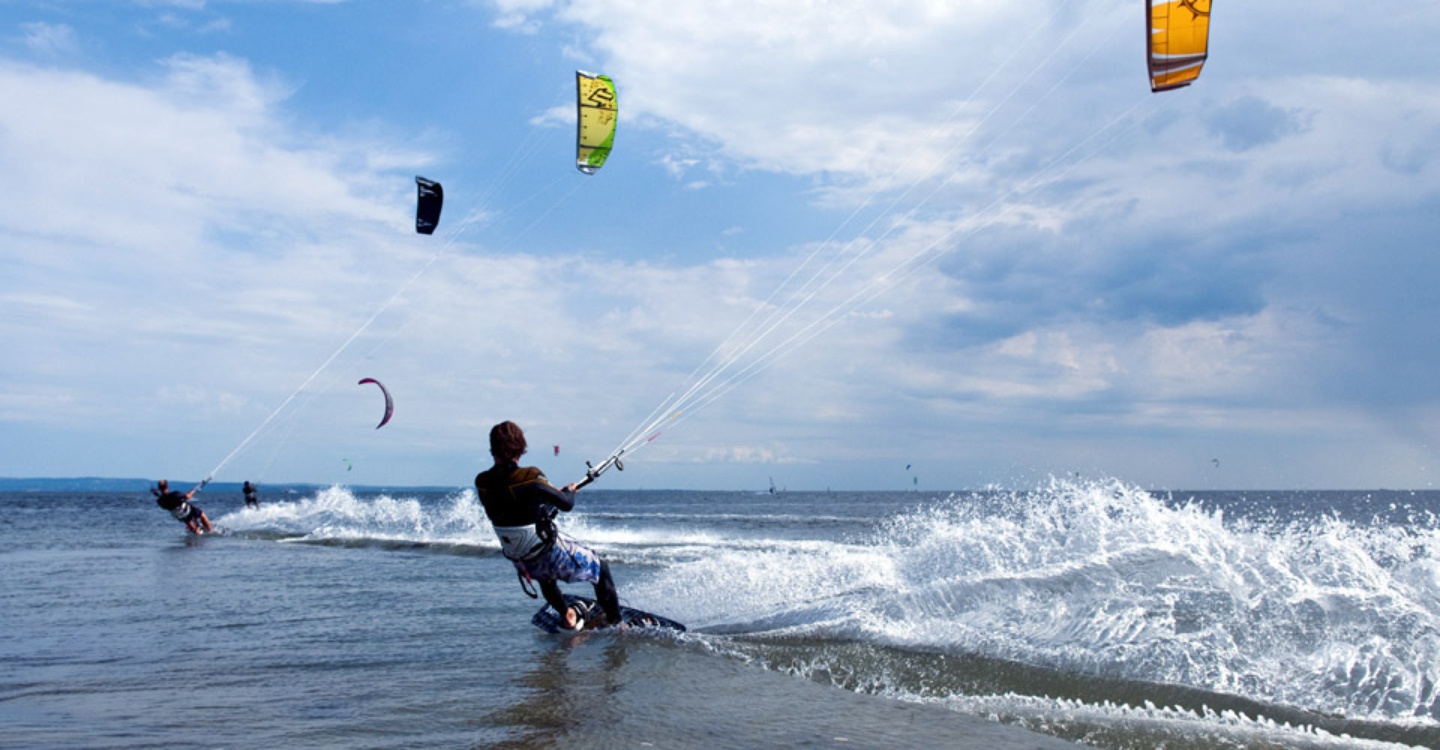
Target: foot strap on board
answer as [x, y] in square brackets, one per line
[582, 615]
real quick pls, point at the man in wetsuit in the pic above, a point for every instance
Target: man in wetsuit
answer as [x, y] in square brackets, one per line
[178, 503]
[252, 500]
[519, 502]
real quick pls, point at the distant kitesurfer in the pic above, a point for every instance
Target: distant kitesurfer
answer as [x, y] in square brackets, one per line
[178, 503]
[252, 499]
[520, 504]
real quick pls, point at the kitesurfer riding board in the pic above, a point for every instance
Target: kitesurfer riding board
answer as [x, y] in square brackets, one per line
[550, 621]
[521, 506]
[180, 507]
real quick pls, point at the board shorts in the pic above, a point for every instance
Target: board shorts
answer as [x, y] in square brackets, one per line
[566, 560]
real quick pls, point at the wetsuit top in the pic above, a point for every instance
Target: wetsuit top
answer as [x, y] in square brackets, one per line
[249, 490]
[175, 502]
[513, 498]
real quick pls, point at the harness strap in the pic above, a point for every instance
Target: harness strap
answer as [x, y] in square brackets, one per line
[526, 583]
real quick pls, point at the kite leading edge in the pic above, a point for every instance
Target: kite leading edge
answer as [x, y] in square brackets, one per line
[389, 404]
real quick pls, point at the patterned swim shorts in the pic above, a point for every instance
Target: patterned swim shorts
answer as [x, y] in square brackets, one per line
[568, 561]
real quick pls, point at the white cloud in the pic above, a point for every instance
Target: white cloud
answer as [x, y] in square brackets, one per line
[1168, 272]
[519, 15]
[49, 39]
[146, 226]
[1049, 267]
[884, 92]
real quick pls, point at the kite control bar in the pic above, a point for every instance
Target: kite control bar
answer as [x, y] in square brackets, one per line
[193, 490]
[593, 472]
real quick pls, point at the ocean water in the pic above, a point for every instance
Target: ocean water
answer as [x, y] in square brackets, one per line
[1073, 612]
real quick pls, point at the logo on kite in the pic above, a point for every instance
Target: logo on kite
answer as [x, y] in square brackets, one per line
[427, 205]
[598, 110]
[389, 404]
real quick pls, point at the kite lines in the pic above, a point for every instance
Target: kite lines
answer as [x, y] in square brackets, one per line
[597, 115]
[836, 280]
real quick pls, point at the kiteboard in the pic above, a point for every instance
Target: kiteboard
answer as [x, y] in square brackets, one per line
[548, 620]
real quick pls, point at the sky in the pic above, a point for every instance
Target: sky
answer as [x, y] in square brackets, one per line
[911, 244]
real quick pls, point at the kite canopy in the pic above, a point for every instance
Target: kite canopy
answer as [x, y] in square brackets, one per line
[598, 111]
[389, 404]
[1179, 41]
[427, 206]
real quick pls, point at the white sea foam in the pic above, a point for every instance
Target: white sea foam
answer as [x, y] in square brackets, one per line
[1104, 579]
[338, 514]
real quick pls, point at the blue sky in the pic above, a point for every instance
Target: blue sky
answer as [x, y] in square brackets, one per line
[961, 237]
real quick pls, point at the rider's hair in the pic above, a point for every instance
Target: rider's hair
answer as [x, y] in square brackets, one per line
[507, 441]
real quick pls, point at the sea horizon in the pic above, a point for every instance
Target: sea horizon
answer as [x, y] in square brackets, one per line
[126, 484]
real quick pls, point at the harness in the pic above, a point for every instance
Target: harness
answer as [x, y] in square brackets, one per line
[539, 538]
[530, 541]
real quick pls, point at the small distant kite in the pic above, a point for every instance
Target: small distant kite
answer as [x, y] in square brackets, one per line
[557, 450]
[389, 403]
[348, 464]
[428, 204]
[598, 110]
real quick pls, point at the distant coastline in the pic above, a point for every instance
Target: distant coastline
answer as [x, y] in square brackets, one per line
[121, 484]
[74, 484]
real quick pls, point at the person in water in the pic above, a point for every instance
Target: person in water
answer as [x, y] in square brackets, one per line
[520, 504]
[178, 503]
[252, 500]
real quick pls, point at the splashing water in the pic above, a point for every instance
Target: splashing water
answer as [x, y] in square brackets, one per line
[1075, 604]
[336, 514]
[1317, 613]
